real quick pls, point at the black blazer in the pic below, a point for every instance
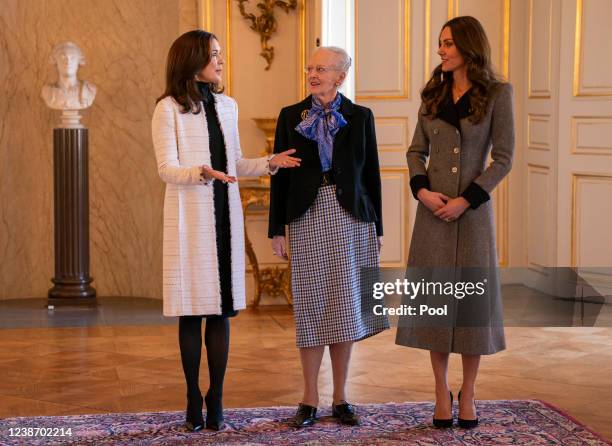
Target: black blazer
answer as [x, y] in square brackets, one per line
[354, 165]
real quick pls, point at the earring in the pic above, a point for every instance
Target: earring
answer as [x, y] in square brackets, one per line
[441, 76]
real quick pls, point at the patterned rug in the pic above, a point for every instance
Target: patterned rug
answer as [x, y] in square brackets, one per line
[502, 423]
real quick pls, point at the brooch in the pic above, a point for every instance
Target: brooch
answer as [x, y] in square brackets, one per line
[305, 114]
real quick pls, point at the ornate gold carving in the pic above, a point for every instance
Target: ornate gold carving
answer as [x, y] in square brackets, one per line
[268, 126]
[274, 281]
[265, 24]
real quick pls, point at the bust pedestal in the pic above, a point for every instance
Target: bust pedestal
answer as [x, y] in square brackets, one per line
[72, 283]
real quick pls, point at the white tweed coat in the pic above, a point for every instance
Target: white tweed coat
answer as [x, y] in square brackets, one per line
[190, 267]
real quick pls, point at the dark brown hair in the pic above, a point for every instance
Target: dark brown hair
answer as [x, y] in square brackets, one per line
[473, 45]
[188, 55]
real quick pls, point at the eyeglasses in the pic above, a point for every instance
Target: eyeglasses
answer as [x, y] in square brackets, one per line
[320, 69]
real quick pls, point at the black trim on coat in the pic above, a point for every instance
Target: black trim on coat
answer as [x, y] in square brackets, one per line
[475, 195]
[454, 113]
[417, 183]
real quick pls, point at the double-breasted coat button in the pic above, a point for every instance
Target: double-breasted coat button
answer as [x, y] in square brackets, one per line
[454, 170]
[456, 150]
[339, 191]
[436, 131]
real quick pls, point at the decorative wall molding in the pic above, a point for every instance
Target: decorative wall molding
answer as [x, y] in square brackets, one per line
[580, 46]
[536, 228]
[577, 208]
[392, 134]
[591, 135]
[544, 29]
[538, 131]
[398, 242]
[402, 89]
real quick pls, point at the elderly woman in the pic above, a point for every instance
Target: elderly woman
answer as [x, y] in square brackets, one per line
[332, 204]
[466, 113]
[195, 134]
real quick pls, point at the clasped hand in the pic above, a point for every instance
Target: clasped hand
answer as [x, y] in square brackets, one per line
[443, 207]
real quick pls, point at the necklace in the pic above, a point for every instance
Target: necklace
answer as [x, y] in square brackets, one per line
[459, 93]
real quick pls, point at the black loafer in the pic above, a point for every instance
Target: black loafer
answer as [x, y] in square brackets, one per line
[346, 413]
[305, 416]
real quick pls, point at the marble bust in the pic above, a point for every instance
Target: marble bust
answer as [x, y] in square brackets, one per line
[68, 93]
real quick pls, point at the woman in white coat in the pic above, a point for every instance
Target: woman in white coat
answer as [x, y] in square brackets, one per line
[195, 135]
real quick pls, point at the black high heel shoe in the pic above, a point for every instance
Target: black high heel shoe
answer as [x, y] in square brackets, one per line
[214, 412]
[466, 424]
[445, 422]
[194, 420]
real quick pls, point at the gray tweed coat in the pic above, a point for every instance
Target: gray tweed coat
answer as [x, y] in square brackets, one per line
[458, 166]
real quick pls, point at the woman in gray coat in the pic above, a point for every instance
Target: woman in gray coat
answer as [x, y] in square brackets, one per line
[466, 113]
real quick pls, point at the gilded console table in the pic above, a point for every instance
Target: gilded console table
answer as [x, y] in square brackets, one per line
[275, 280]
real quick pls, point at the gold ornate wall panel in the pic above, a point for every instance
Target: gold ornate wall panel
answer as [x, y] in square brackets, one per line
[591, 135]
[205, 14]
[538, 131]
[592, 43]
[392, 134]
[538, 216]
[382, 53]
[540, 49]
[395, 187]
[591, 207]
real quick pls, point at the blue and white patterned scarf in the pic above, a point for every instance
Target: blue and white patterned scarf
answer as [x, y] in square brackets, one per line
[322, 125]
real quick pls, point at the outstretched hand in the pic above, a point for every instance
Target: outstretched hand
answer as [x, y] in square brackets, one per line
[210, 174]
[283, 160]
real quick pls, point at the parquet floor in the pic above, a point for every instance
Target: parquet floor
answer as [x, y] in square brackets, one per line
[132, 368]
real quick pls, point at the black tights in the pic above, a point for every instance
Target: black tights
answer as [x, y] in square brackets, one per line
[216, 338]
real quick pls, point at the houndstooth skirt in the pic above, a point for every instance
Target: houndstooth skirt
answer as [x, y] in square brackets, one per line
[328, 249]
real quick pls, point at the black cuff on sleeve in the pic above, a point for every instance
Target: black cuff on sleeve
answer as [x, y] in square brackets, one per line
[417, 183]
[379, 229]
[274, 231]
[476, 195]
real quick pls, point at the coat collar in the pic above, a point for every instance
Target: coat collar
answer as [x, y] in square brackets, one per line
[454, 113]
